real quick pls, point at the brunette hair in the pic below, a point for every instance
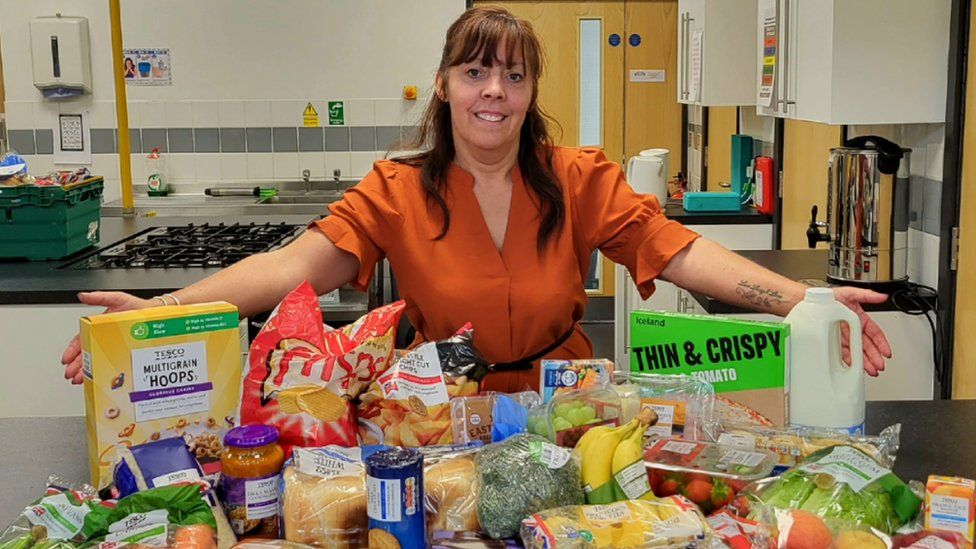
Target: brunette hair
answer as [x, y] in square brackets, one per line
[477, 34]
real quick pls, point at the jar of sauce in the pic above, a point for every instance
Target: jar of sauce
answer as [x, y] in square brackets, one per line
[249, 482]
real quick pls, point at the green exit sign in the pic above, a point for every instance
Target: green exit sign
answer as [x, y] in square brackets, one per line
[337, 113]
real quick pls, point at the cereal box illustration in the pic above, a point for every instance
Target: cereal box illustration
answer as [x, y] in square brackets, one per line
[159, 373]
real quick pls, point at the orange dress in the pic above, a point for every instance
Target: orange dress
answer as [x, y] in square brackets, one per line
[518, 301]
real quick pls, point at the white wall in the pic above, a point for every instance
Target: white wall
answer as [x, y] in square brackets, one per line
[240, 64]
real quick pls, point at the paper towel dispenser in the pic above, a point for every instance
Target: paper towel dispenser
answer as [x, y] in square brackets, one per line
[61, 55]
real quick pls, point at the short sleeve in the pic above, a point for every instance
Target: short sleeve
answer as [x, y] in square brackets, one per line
[629, 228]
[364, 221]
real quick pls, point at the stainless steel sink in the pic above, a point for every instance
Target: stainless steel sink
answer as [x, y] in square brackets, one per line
[310, 198]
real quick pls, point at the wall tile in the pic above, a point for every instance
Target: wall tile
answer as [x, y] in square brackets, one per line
[152, 114]
[231, 114]
[286, 166]
[181, 140]
[180, 167]
[257, 114]
[314, 162]
[46, 114]
[337, 161]
[284, 139]
[387, 137]
[207, 166]
[390, 112]
[286, 113]
[103, 141]
[933, 160]
[361, 163]
[359, 112]
[311, 140]
[932, 206]
[133, 112]
[233, 167]
[336, 139]
[42, 164]
[179, 114]
[413, 113]
[233, 140]
[206, 114]
[19, 115]
[135, 140]
[106, 165]
[409, 134]
[363, 138]
[22, 141]
[916, 204]
[44, 141]
[206, 140]
[929, 263]
[258, 140]
[137, 163]
[260, 166]
[153, 138]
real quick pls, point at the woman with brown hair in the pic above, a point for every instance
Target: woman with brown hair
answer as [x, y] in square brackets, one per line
[495, 225]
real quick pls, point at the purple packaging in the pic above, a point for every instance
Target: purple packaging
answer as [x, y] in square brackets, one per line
[154, 464]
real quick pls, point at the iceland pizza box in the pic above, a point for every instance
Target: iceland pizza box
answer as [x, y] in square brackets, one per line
[158, 373]
[746, 361]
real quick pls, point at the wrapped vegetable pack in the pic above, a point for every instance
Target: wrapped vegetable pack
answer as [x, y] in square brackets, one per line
[409, 404]
[520, 476]
[170, 516]
[302, 375]
[841, 487]
[669, 522]
[60, 514]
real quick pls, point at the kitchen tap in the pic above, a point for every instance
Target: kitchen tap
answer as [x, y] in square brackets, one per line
[306, 177]
[336, 175]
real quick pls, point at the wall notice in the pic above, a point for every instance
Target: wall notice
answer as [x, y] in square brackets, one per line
[147, 67]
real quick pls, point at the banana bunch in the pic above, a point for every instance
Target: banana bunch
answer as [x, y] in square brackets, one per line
[612, 462]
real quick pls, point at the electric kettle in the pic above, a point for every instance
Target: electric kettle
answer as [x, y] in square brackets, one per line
[647, 173]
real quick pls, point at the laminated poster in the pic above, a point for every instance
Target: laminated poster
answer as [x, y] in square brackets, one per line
[147, 67]
[769, 58]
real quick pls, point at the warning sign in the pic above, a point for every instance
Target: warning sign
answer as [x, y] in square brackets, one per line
[310, 117]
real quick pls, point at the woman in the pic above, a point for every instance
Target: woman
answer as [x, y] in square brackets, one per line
[495, 225]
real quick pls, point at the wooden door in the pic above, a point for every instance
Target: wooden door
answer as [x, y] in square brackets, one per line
[806, 150]
[964, 345]
[558, 25]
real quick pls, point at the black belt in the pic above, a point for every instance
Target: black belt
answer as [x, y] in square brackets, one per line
[526, 363]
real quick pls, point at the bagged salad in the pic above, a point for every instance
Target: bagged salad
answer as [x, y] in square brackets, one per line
[840, 486]
[58, 518]
[684, 405]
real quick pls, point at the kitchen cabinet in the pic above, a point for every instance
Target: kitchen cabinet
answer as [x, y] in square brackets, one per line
[716, 52]
[853, 62]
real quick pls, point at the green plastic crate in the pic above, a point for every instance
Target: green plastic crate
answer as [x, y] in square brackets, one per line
[49, 222]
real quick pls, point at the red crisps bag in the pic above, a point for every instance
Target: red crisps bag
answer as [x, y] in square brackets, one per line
[303, 375]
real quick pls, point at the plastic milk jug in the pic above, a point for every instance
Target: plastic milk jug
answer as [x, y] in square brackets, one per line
[825, 392]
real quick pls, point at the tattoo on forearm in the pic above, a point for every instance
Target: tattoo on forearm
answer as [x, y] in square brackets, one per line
[759, 296]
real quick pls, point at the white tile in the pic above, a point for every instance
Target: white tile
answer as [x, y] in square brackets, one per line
[207, 166]
[359, 112]
[390, 112]
[337, 161]
[180, 167]
[152, 114]
[138, 165]
[103, 114]
[19, 115]
[133, 111]
[919, 153]
[933, 161]
[111, 191]
[233, 167]
[935, 134]
[257, 114]
[39, 164]
[314, 162]
[286, 114]
[179, 114]
[105, 165]
[231, 114]
[361, 163]
[286, 166]
[413, 113]
[206, 114]
[46, 114]
[929, 263]
[260, 166]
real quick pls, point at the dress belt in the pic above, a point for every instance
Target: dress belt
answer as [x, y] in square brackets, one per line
[526, 363]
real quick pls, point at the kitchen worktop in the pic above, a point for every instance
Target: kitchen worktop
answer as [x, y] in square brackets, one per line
[935, 439]
[746, 216]
[807, 266]
[39, 282]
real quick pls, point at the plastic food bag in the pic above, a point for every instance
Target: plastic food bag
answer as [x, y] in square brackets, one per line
[634, 524]
[741, 533]
[482, 417]
[569, 415]
[450, 498]
[302, 375]
[169, 516]
[684, 405]
[37, 524]
[842, 487]
[409, 404]
[929, 540]
[160, 463]
[793, 444]
[560, 376]
[524, 474]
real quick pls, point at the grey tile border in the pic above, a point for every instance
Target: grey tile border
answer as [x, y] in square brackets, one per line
[363, 138]
[154, 138]
[311, 140]
[409, 134]
[337, 139]
[103, 141]
[21, 141]
[180, 140]
[387, 137]
[233, 140]
[258, 139]
[44, 141]
[135, 140]
[206, 140]
[916, 193]
[932, 206]
[284, 139]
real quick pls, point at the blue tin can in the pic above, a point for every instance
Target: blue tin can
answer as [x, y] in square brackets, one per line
[395, 498]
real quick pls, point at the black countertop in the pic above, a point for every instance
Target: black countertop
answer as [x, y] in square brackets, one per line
[935, 439]
[37, 282]
[746, 216]
[807, 266]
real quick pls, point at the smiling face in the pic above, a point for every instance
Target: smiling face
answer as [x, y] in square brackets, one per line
[488, 102]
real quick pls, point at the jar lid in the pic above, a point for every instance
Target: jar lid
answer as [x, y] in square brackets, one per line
[251, 436]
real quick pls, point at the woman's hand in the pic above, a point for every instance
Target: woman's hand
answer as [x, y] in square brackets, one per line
[874, 342]
[113, 302]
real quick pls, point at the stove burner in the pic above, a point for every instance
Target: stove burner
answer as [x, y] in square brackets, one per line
[191, 246]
